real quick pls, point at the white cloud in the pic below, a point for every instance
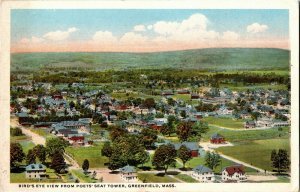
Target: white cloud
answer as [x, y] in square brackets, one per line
[59, 35]
[230, 36]
[133, 38]
[149, 27]
[33, 39]
[139, 28]
[256, 28]
[189, 30]
[105, 37]
[165, 28]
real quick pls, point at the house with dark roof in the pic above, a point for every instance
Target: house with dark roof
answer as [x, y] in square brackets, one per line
[249, 124]
[36, 171]
[128, 173]
[203, 174]
[217, 139]
[192, 146]
[234, 173]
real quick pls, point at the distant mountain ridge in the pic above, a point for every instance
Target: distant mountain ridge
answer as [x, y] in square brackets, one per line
[215, 59]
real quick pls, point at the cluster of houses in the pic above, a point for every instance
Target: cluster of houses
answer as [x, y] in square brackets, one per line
[266, 103]
[201, 173]
[234, 173]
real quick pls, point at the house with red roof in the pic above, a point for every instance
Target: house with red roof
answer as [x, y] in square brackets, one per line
[217, 139]
[234, 173]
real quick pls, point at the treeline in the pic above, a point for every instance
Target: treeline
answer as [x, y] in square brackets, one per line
[150, 75]
[51, 118]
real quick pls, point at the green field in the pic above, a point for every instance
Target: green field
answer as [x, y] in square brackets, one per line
[246, 135]
[186, 178]
[21, 178]
[93, 154]
[26, 145]
[225, 122]
[257, 152]
[19, 138]
[153, 178]
[82, 177]
[241, 87]
[40, 131]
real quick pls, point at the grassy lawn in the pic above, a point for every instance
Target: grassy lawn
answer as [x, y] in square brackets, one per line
[40, 131]
[26, 145]
[224, 163]
[225, 122]
[93, 154]
[241, 87]
[82, 177]
[153, 178]
[257, 152]
[184, 97]
[240, 136]
[14, 139]
[186, 178]
[21, 178]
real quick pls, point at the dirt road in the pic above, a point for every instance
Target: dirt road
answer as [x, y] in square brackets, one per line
[36, 139]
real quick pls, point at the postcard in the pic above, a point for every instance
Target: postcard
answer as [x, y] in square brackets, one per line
[149, 96]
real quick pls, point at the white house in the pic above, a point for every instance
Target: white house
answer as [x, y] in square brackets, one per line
[36, 171]
[128, 173]
[203, 174]
[234, 173]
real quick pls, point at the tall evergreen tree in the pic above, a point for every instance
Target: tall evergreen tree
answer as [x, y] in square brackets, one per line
[85, 166]
[280, 160]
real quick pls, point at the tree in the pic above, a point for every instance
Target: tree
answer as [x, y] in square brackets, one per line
[106, 150]
[280, 160]
[55, 145]
[30, 158]
[183, 114]
[149, 103]
[184, 130]
[40, 152]
[58, 162]
[254, 115]
[72, 104]
[198, 129]
[116, 132]
[148, 137]
[85, 166]
[212, 160]
[164, 156]
[184, 154]
[16, 154]
[16, 131]
[169, 128]
[127, 150]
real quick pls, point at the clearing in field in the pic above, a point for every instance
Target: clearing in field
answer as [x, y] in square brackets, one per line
[225, 122]
[93, 154]
[154, 178]
[257, 152]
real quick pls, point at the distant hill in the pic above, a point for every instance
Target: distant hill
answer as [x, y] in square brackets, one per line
[213, 59]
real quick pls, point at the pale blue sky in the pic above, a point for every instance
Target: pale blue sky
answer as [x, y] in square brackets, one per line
[146, 29]
[27, 23]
